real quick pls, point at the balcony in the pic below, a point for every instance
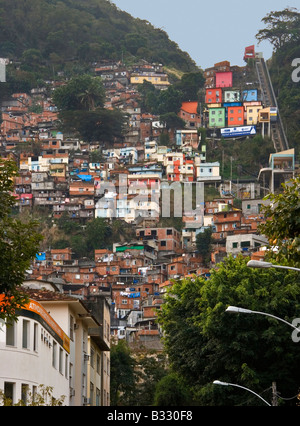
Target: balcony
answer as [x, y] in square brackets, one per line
[98, 334]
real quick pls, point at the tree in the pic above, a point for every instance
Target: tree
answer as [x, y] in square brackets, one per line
[152, 367]
[190, 84]
[172, 391]
[169, 100]
[282, 27]
[44, 397]
[204, 343]
[97, 234]
[282, 226]
[122, 375]
[19, 243]
[100, 125]
[80, 93]
[204, 244]
[172, 121]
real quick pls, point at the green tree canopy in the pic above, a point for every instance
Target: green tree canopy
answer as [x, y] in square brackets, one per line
[190, 84]
[19, 243]
[171, 391]
[80, 93]
[122, 375]
[282, 27]
[80, 103]
[204, 244]
[204, 343]
[282, 226]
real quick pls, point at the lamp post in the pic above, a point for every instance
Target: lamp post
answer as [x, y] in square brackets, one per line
[262, 264]
[218, 382]
[235, 309]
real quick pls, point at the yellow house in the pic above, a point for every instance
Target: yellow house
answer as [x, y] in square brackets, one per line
[157, 79]
[252, 114]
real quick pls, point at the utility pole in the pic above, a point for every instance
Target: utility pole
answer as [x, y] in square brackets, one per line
[274, 395]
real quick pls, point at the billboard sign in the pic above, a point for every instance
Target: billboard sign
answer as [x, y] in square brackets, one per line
[234, 132]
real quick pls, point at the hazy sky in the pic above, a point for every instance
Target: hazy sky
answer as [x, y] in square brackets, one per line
[210, 31]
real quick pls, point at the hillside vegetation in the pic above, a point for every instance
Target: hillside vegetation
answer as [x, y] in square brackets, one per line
[47, 34]
[282, 30]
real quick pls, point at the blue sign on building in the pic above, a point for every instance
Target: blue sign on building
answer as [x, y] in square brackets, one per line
[234, 132]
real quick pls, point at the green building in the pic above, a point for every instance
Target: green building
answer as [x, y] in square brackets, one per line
[216, 117]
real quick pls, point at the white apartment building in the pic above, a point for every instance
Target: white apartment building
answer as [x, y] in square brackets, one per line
[34, 351]
[50, 345]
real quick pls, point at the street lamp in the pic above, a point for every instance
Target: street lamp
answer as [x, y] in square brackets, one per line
[235, 309]
[218, 382]
[262, 264]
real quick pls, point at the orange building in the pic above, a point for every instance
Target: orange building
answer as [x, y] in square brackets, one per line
[213, 96]
[189, 113]
[235, 116]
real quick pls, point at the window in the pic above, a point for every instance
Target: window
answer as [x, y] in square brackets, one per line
[92, 359]
[54, 350]
[104, 363]
[60, 360]
[24, 393]
[91, 393]
[10, 334]
[71, 327]
[9, 390]
[35, 337]
[25, 334]
[234, 245]
[66, 365]
[169, 231]
[98, 364]
[34, 393]
[98, 400]
[163, 243]
[245, 244]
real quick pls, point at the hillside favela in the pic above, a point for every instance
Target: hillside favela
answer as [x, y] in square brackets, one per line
[149, 220]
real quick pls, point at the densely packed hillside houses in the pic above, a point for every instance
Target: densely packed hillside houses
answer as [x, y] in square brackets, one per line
[122, 220]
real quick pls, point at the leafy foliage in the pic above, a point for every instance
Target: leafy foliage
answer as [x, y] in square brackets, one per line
[80, 93]
[204, 244]
[283, 32]
[81, 31]
[19, 243]
[122, 375]
[80, 103]
[283, 223]
[282, 27]
[171, 391]
[96, 235]
[205, 343]
[43, 397]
